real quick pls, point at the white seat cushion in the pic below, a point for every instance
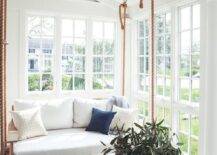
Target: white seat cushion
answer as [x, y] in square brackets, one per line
[74, 141]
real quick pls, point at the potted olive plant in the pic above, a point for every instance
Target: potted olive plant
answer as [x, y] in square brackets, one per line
[149, 139]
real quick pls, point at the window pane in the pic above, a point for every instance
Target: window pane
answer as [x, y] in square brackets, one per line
[184, 89]
[97, 30]
[160, 113]
[141, 65]
[183, 138]
[160, 65]
[143, 108]
[168, 66]
[184, 122]
[195, 125]
[47, 82]
[109, 47]
[67, 82]
[79, 82]
[48, 26]
[141, 82]
[168, 22]
[168, 87]
[109, 31]
[185, 18]
[167, 116]
[79, 64]
[97, 64]
[168, 44]
[195, 66]
[142, 47]
[47, 63]
[47, 45]
[160, 23]
[67, 46]
[34, 25]
[97, 47]
[184, 66]
[79, 45]
[196, 16]
[108, 65]
[67, 64]
[196, 41]
[160, 45]
[108, 81]
[34, 82]
[80, 28]
[185, 42]
[195, 96]
[67, 27]
[160, 86]
[34, 45]
[194, 146]
[141, 29]
[33, 63]
[98, 81]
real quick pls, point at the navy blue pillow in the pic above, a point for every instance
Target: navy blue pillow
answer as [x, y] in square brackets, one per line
[100, 121]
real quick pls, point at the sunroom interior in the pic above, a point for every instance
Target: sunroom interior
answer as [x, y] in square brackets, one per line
[156, 56]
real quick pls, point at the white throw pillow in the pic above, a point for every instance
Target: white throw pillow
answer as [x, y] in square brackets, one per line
[124, 117]
[83, 111]
[28, 123]
[56, 114]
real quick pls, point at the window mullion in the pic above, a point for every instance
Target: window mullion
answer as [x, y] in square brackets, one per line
[89, 57]
[58, 58]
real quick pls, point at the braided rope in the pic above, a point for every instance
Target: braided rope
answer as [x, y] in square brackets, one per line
[123, 28]
[3, 9]
[152, 63]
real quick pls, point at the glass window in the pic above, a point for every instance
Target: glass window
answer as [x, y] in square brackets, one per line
[73, 54]
[40, 44]
[103, 55]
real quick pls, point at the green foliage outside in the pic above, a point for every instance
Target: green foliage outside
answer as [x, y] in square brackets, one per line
[67, 82]
[47, 81]
[34, 82]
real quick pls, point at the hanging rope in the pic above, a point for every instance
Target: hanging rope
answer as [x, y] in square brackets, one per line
[122, 17]
[3, 10]
[152, 63]
[141, 6]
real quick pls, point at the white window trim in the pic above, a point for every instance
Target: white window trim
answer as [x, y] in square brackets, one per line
[176, 105]
[57, 91]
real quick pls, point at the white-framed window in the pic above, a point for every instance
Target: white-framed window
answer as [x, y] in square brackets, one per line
[40, 51]
[103, 55]
[86, 62]
[73, 54]
[189, 53]
[177, 73]
[189, 75]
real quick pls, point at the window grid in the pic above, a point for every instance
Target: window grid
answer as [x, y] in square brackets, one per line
[143, 56]
[73, 54]
[164, 56]
[189, 76]
[40, 53]
[174, 104]
[103, 56]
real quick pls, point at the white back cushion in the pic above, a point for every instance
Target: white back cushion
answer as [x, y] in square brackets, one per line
[124, 117]
[83, 111]
[56, 114]
[28, 123]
